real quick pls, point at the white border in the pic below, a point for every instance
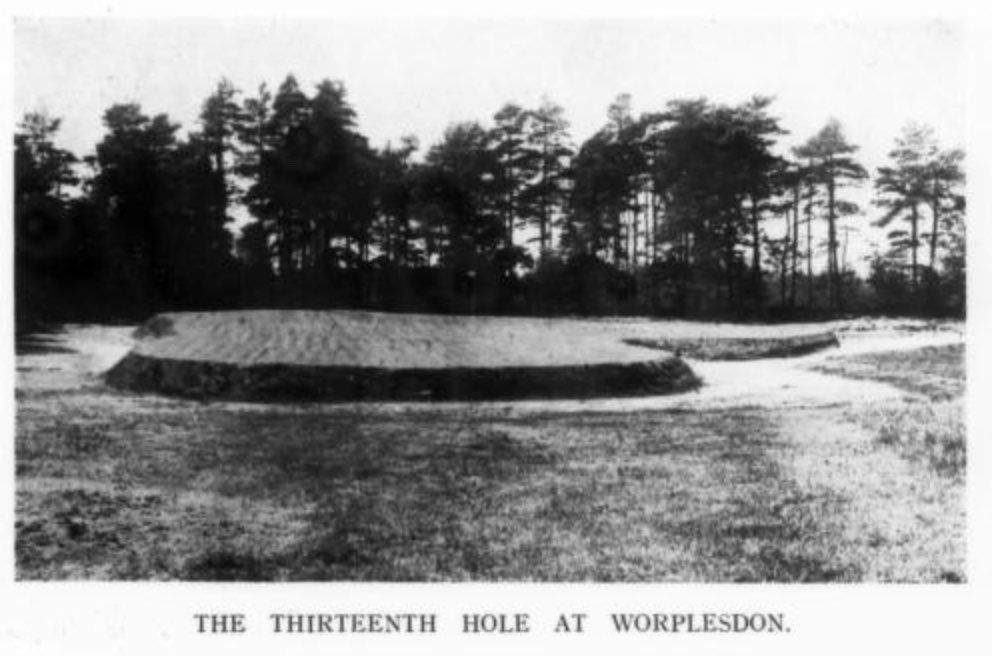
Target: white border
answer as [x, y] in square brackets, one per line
[84, 618]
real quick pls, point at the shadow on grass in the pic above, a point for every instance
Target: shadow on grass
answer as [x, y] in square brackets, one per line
[779, 565]
[43, 343]
[228, 565]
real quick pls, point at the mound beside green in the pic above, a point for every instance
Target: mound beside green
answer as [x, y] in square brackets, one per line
[741, 348]
[344, 356]
[308, 383]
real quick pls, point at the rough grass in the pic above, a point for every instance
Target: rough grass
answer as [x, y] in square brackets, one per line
[197, 492]
[937, 372]
[931, 430]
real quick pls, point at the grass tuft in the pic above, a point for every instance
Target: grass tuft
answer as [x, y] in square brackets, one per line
[932, 432]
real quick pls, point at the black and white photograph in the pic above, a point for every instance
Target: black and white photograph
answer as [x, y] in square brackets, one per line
[439, 300]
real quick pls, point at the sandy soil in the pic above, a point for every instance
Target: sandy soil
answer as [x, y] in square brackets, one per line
[79, 356]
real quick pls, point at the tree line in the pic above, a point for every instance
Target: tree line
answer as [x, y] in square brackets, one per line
[276, 199]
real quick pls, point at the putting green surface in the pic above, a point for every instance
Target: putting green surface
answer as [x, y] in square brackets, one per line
[400, 341]
[383, 341]
[351, 355]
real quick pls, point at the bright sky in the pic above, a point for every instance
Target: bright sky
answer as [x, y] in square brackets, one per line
[418, 75]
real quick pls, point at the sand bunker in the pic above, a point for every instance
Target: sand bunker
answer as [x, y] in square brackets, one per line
[275, 355]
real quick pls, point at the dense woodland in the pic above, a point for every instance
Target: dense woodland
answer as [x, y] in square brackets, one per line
[275, 199]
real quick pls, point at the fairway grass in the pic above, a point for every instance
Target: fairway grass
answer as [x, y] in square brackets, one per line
[195, 492]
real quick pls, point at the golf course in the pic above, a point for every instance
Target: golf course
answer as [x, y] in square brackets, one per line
[424, 448]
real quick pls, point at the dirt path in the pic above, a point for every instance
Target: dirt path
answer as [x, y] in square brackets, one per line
[792, 381]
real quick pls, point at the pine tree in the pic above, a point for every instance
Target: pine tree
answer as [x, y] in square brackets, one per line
[40, 167]
[607, 172]
[764, 172]
[253, 130]
[835, 167]
[220, 119]
[544, 198]
[514, 167]
[49, 234]
[945, 177]
[902, 188]
[921, 178]
[460, 212]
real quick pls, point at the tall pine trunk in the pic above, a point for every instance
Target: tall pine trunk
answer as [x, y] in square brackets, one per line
[935, 210]
[655, 236]
[783, 269]
[795, 244]
[756, 280]
[809, 255]
[510, 208]
[833, 291]
[544, 200]
[915, 244]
